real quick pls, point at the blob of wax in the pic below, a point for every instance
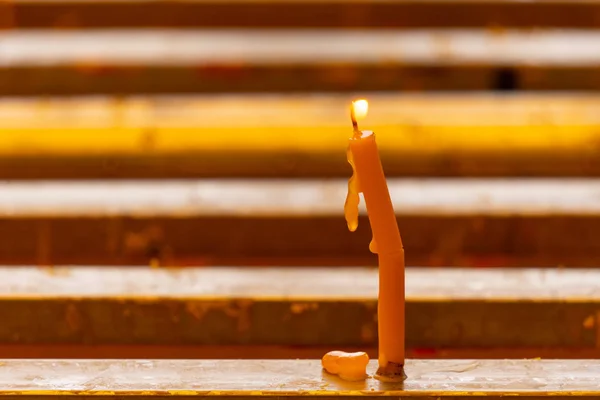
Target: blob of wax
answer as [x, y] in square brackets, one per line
[352, 201]
[348, 366]
[373, 246]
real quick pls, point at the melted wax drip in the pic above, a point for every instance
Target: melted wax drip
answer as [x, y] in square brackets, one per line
[373, 246]
[353, 200]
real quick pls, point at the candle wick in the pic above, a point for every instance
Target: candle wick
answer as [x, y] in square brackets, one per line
[354, 122]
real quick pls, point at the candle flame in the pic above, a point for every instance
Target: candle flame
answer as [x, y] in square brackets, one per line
[360, 108]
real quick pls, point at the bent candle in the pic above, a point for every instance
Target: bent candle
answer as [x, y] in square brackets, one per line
[368, 178]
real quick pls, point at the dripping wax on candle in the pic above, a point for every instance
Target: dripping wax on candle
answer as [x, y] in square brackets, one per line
[352, 198]
[369, 179]
[358, 110]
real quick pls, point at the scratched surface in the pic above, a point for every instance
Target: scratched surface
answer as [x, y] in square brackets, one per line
[293, 378]
[446, 309]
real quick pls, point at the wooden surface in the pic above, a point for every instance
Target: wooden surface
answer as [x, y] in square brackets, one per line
[302, 13]
[122, 62]
[292, 136]
[297, 309]
[468, 379]
[227, 222]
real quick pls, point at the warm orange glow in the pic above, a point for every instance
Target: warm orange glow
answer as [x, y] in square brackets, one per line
[360, 107]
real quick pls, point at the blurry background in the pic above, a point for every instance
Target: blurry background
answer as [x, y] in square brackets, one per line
[105, 91]
[213, 132]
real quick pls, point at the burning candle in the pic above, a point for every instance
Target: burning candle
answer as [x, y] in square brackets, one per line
[368, 178]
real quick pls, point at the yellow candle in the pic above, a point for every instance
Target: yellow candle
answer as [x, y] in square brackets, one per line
[368, 178]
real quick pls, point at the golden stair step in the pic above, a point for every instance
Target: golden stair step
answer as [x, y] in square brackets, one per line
[297, 136]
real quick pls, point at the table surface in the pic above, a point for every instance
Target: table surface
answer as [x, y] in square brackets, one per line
[147, 378]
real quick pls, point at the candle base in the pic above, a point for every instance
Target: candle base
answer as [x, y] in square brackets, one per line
[392, 372]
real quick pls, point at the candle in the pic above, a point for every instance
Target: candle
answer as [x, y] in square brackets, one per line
[368, 178]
